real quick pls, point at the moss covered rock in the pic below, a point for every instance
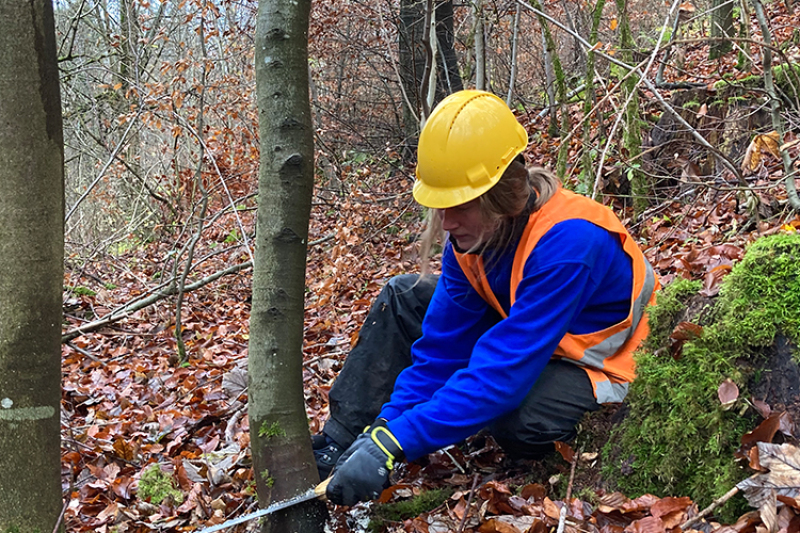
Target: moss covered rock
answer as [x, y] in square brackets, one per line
[677, 438]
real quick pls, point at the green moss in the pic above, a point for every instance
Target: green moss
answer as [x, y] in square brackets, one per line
[269, 481]
[271, 430]
[671, 301]
[782, 76]
[157, 486]
[677, 439]
[399, 511]
[82, 291]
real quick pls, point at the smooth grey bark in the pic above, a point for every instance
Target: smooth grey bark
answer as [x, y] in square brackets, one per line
[282, 458]
[31, 267]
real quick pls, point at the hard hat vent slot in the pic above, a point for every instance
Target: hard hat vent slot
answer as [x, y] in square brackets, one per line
[464, 105]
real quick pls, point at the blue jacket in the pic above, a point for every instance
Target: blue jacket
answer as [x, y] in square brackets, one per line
[470, 367]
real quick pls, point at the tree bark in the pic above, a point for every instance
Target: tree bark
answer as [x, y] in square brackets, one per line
[31, 267]
[632, 136]
[413, 55]
[721, 28]
[281, 447]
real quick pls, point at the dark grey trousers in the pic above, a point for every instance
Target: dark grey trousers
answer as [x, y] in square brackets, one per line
[549, 412]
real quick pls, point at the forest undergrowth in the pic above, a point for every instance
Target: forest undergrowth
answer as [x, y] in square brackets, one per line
[130, 403]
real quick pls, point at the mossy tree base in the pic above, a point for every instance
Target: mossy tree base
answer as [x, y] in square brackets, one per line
[677, 439]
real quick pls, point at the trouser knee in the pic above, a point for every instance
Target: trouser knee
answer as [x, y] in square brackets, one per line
[550, 412]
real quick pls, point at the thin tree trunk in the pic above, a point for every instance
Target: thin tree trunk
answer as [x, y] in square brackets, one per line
[632, 136]
[585, 185]
[561, 91]
[31, 267]
[550, 88]
[512, 78]
[775, 106]
[450, 76]
[480, 47]
[282, 459]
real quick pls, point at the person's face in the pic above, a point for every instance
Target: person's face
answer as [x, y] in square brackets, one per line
[465, 224]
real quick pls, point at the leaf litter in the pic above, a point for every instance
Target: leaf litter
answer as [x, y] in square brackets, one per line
[126, 406]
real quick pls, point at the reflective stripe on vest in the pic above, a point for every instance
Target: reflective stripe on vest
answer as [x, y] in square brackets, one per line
[605, 355]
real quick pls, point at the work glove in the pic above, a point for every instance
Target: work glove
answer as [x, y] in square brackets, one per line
[362, 472]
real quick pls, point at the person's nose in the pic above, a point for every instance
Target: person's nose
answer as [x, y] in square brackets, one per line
[449, 219]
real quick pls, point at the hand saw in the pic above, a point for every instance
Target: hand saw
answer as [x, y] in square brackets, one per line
[310, 494]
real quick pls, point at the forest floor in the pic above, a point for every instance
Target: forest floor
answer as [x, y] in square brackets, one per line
[128, 405]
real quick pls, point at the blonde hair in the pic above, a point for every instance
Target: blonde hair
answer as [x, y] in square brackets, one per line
[500, 208]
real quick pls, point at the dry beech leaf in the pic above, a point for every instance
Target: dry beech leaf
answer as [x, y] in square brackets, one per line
[767, 429]
[762, 407]
[783, 477]
[234, 382]
[713, 280]
[551, 510]
[565, 450]
[498, 526]
[648, 524]
[769, 512]
[642, 503]
[728, 393]
[669, 505]
[683, 332]
[535, 491]
[613, 501]
[753, 460]
[763, 142]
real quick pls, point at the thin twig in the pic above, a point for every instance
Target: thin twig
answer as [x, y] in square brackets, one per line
[84, 352]
[707, 511]
[562, 519]
[455, 462]
[469, 502]
[61, 516]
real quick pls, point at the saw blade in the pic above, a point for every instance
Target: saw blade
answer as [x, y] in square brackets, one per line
[310, 494]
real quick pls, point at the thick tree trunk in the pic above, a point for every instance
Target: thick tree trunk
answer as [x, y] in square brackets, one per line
[282, 458]
[31, 267]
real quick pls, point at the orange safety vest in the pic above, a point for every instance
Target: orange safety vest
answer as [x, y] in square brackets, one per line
[606, 355]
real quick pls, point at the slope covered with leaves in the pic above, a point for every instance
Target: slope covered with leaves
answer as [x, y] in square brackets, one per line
[129, 403]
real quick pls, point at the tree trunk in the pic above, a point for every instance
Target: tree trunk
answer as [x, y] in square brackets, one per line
[586, 181]
[450, 77]
[31, 267]
[282, 458]
[721, 28]
[413, 60]
[480, 47]
[632, 136]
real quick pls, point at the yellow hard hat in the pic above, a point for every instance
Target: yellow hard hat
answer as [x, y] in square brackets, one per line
[465, 146]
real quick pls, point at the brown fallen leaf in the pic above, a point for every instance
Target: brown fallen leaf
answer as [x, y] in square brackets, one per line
[783, 477]
[669, 505]
[497, 526]
[648, 524]
[763, 408]
[565, 450]
[766, 430]
[728, 393]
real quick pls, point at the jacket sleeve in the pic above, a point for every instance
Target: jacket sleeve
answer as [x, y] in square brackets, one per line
[454, 321]
[494, 376]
